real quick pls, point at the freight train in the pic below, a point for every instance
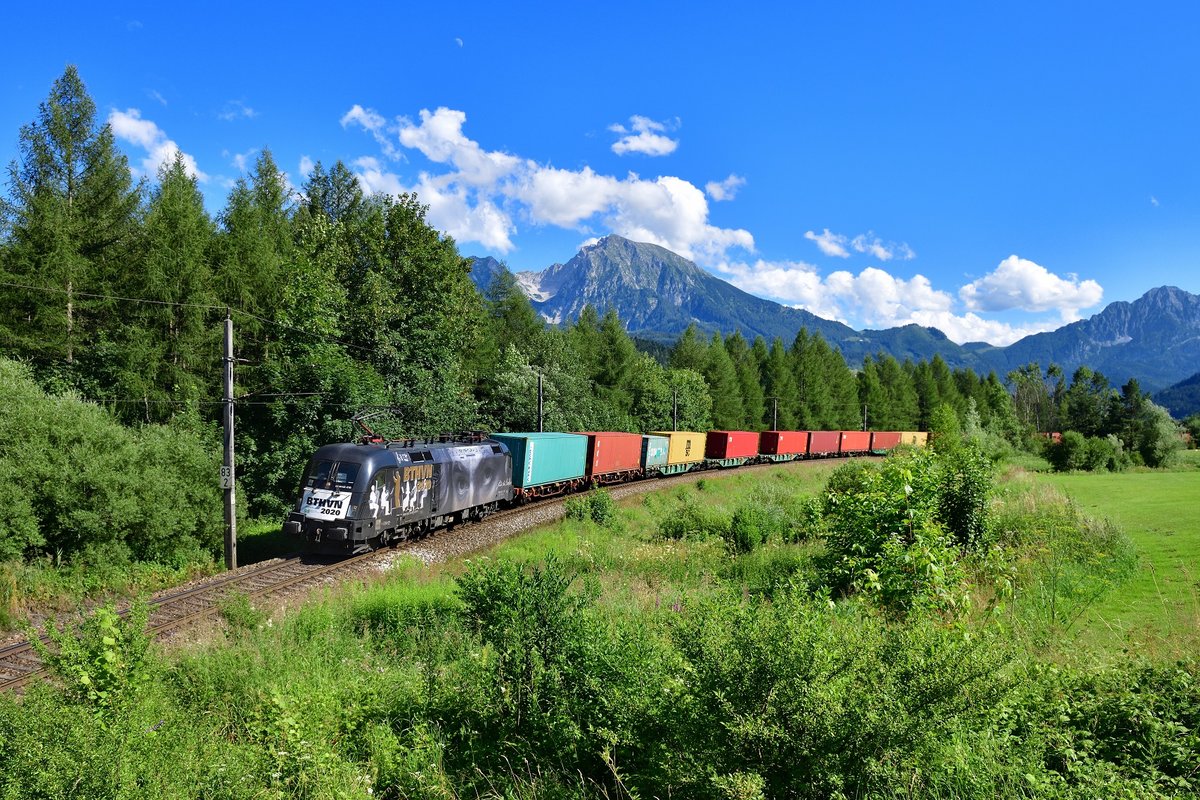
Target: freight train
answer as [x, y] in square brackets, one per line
[357, 496]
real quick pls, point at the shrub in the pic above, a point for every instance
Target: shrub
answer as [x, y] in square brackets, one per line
[102, 660]
[597, 506]
[72, 478]
[535, 631]
[686, 519]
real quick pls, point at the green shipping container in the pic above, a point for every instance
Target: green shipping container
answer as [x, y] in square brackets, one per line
[654, 451]
[540, 458]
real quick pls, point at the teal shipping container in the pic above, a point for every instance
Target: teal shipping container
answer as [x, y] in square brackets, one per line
[541, 458]
[654, 451]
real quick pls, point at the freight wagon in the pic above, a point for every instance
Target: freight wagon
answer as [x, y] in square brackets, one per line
[613, 457]
[824, 443]
[854, 443]
[685, 449]
[730, 448]
[546, 463]
[783, 445]
[882, 441]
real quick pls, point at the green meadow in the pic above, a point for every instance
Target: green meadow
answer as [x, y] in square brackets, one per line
[1157, 609]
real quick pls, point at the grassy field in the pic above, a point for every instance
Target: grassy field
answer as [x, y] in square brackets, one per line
[1156, 612]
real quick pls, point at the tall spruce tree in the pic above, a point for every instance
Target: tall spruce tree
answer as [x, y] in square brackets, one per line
[168, 351]
[723, 386]
[779, 381]
[749, 381]
[72, 217]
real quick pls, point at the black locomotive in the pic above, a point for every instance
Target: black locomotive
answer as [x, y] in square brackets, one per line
[357, 496]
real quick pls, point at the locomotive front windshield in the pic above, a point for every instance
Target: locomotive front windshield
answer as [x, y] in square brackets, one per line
[338, 475]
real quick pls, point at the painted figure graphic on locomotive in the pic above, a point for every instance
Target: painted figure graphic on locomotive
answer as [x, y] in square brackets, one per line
[415, 485]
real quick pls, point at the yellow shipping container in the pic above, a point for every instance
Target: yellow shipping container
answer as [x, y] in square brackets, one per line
[914, 438]
[683, 447]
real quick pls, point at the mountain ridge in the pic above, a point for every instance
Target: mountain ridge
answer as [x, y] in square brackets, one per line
[658, 293]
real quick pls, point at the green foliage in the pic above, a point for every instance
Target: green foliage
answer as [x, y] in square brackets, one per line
[794, 698]
[1075, 452]
[896, 529]
[534, 629]
[241, 615]
[87, 484]
[102, 661]
[686, 518]
[597, 506]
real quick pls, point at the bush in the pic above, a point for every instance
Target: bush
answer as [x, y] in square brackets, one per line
[1075, 452]
[597, 506]
[686, 519]
[74, 479]
[914, 509]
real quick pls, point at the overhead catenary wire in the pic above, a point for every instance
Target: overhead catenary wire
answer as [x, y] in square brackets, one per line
[205, 306]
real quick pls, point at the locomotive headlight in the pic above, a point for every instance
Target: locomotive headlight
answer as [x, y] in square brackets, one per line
[350, 513]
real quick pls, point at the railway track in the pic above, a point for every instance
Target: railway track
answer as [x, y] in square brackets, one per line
[19, 662]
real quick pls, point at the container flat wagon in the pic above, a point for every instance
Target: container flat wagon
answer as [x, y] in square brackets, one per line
[685, 449]
[730, 448]
[824, 443]
[546, 463]
[883, 441]
[854, 443]
[783, 445]
[613, 457]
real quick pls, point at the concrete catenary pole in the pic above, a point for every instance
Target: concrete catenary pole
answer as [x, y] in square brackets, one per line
[227, 470]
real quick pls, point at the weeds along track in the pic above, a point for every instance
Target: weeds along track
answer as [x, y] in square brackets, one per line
[19, 662]
[176, 609]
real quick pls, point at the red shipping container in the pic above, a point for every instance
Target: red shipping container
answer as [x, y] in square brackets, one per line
[782, 443]
[609, 452]
[884, 440]
[731, 444]
[824, 442]
[855, 441]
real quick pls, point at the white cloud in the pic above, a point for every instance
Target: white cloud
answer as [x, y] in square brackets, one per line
[306, 167]
[476, 194]
[439, 138]
[646, 137]
[241, 161]
[458, 41]
[831, 244]
[374, 123]
[870, 243]
[236, 109]
[156, 96]
[872, 299]
[1018, 283]
[1154, 201]
[128, 126]
[726, 189]
[840, 245]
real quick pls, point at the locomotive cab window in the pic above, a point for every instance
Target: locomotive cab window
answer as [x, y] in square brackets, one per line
[327, 475]
[318, 475]
[345, 475]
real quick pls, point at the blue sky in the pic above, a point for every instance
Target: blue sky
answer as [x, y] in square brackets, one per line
[991, 170]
